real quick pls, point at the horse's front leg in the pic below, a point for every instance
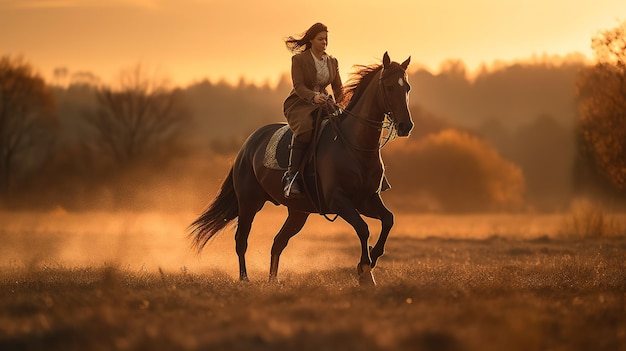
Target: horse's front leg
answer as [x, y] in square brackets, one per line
[375, 208]
[364, 269]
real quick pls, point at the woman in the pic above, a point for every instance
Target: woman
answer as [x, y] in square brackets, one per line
[312, 70]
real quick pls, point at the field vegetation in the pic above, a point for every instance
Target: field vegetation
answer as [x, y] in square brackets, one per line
[128, 281]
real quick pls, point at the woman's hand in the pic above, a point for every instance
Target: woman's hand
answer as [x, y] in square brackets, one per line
[320, 99]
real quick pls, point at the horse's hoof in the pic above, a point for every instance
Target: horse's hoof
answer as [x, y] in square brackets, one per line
[366, 278]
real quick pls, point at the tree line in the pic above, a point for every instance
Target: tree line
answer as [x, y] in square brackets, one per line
[522, 134]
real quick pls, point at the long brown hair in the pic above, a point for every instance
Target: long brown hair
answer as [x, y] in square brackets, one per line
[296, 46]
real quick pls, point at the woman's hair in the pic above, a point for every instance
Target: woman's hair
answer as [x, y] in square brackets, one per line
[296, 46]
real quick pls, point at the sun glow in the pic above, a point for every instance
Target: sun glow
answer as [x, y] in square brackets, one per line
[193, 40]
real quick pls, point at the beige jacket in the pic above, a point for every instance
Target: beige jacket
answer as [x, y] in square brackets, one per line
[299, 104]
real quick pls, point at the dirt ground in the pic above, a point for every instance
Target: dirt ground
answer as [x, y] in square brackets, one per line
[102, 281]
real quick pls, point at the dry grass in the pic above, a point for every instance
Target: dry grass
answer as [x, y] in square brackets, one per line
[513, 287]
[591, 220]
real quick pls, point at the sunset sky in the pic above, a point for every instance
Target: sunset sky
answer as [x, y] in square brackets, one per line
[189, 40]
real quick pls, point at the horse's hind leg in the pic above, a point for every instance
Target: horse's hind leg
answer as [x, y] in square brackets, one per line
[293, 224]
[241, 241]
[248, 207]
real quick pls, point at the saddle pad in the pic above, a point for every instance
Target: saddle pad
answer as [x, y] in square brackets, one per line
[277, 150]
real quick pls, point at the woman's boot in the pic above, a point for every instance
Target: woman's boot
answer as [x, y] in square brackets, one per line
[290, 179]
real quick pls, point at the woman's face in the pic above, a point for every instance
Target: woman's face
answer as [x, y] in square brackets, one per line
[320, 42]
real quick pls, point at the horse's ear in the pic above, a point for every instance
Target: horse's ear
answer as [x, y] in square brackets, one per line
[386, 60]
[405, 64]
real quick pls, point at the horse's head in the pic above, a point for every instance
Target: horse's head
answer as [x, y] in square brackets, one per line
[395, 94]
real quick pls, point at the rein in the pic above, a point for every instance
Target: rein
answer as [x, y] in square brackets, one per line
[367, 122]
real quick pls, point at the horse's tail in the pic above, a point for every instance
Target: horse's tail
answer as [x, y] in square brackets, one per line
[216, 216]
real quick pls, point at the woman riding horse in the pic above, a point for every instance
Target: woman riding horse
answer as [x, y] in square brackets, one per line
[349, 175]
[312, 70]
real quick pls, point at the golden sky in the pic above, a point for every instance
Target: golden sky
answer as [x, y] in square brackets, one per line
[189, 40]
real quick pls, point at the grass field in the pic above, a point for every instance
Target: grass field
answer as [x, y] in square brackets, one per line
[102, 281]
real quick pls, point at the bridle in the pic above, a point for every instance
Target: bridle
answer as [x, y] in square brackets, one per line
[388, 123]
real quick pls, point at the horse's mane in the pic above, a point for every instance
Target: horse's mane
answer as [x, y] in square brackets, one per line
[355, 86]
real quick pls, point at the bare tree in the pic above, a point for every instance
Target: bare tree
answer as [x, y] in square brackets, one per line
[602, 106]
[137, 116]
[26, 110]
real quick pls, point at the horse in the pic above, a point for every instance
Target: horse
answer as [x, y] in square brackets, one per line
[348, 172]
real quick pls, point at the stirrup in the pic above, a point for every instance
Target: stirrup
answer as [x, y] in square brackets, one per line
[291, 187]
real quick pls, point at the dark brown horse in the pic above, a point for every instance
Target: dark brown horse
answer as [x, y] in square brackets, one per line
[348, 173]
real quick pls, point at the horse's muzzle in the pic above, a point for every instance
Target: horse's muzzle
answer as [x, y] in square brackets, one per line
[404, 129]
